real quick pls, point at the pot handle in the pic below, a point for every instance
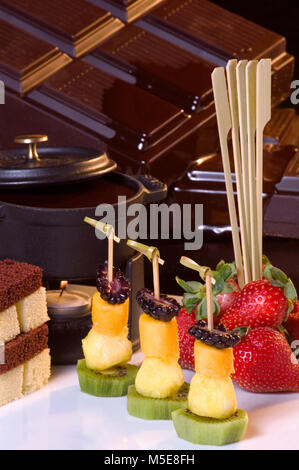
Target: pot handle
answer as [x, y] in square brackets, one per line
[31, 140]
[154, 189]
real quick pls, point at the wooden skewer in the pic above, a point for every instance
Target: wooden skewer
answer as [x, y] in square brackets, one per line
[110, 257]
[232, 89]
[251, 128]
[224, 126]
[108, 230]
[209, 302]
[241, 90]
[156, 279]
[263, 115]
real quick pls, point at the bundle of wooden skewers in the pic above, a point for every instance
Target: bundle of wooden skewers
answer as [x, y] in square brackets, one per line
[243, 108]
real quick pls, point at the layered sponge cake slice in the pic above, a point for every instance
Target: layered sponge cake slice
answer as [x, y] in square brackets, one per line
[24, 358]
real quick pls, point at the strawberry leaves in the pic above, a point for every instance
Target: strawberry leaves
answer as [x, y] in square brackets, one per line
[202, 309]
[228, 270]
[224, 272]
[191, 287]
[190, 301]
[195, 292]
[242, 331]
[279, 279]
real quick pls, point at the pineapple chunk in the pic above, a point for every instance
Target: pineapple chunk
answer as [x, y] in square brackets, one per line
[210, 397]
[159, 338]
[157, 378]
[109, 319]
[104, 351]
[213, 362]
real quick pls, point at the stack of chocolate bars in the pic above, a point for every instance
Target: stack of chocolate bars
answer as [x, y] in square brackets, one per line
[72, 70]
[25, 357]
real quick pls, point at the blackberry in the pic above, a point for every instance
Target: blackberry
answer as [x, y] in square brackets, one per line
[115, 292]
[218, 337]
[163, 309]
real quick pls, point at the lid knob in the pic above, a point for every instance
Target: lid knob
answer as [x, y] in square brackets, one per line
[31, 141]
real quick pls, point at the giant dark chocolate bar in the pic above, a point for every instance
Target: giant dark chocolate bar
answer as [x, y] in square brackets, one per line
[127, 10]
[217, 35]
[156, 65]
[25, 60]
[114, 109]
[75, 26]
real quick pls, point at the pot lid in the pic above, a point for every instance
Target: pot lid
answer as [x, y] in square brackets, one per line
[25, 167]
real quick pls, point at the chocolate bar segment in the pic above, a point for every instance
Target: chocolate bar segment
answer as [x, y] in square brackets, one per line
[127, 10]
[25, 60]
[215, 34]
[17, 280]
[212, 30]
[24, 347]
[116, 110]
[156, 65]
[204, 180]
[277, 127]
[75, 26]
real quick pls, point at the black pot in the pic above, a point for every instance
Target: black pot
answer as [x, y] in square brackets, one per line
[44, 199]
[57, 239]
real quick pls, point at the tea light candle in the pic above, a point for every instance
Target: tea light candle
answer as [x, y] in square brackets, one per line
[71, 303]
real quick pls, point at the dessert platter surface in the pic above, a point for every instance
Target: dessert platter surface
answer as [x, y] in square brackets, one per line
[59, 416]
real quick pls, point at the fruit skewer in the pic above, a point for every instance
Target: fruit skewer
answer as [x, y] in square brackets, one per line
[211, 416]
[159, 385]
[194, 308]
[105, 370]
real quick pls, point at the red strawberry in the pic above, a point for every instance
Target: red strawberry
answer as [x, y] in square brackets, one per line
[258, 304]
[292, 323]
[185, 320]
[264, 362]
[226, 299]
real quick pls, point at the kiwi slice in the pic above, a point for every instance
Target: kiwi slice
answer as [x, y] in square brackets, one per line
[209, 431]
[112, 382]
[155, 408]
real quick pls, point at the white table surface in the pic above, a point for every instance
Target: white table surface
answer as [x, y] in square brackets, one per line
[59, 416]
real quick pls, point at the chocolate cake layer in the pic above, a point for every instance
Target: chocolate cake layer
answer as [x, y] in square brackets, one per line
[24, 347]
[75, 26]
[170, 72]
[25, 60]
[116, 110]
[127, 10]
[17, 280]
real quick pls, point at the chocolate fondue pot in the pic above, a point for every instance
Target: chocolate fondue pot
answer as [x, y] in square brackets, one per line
[44, 198]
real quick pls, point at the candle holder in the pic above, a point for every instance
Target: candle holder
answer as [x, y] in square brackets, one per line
[70, 321]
